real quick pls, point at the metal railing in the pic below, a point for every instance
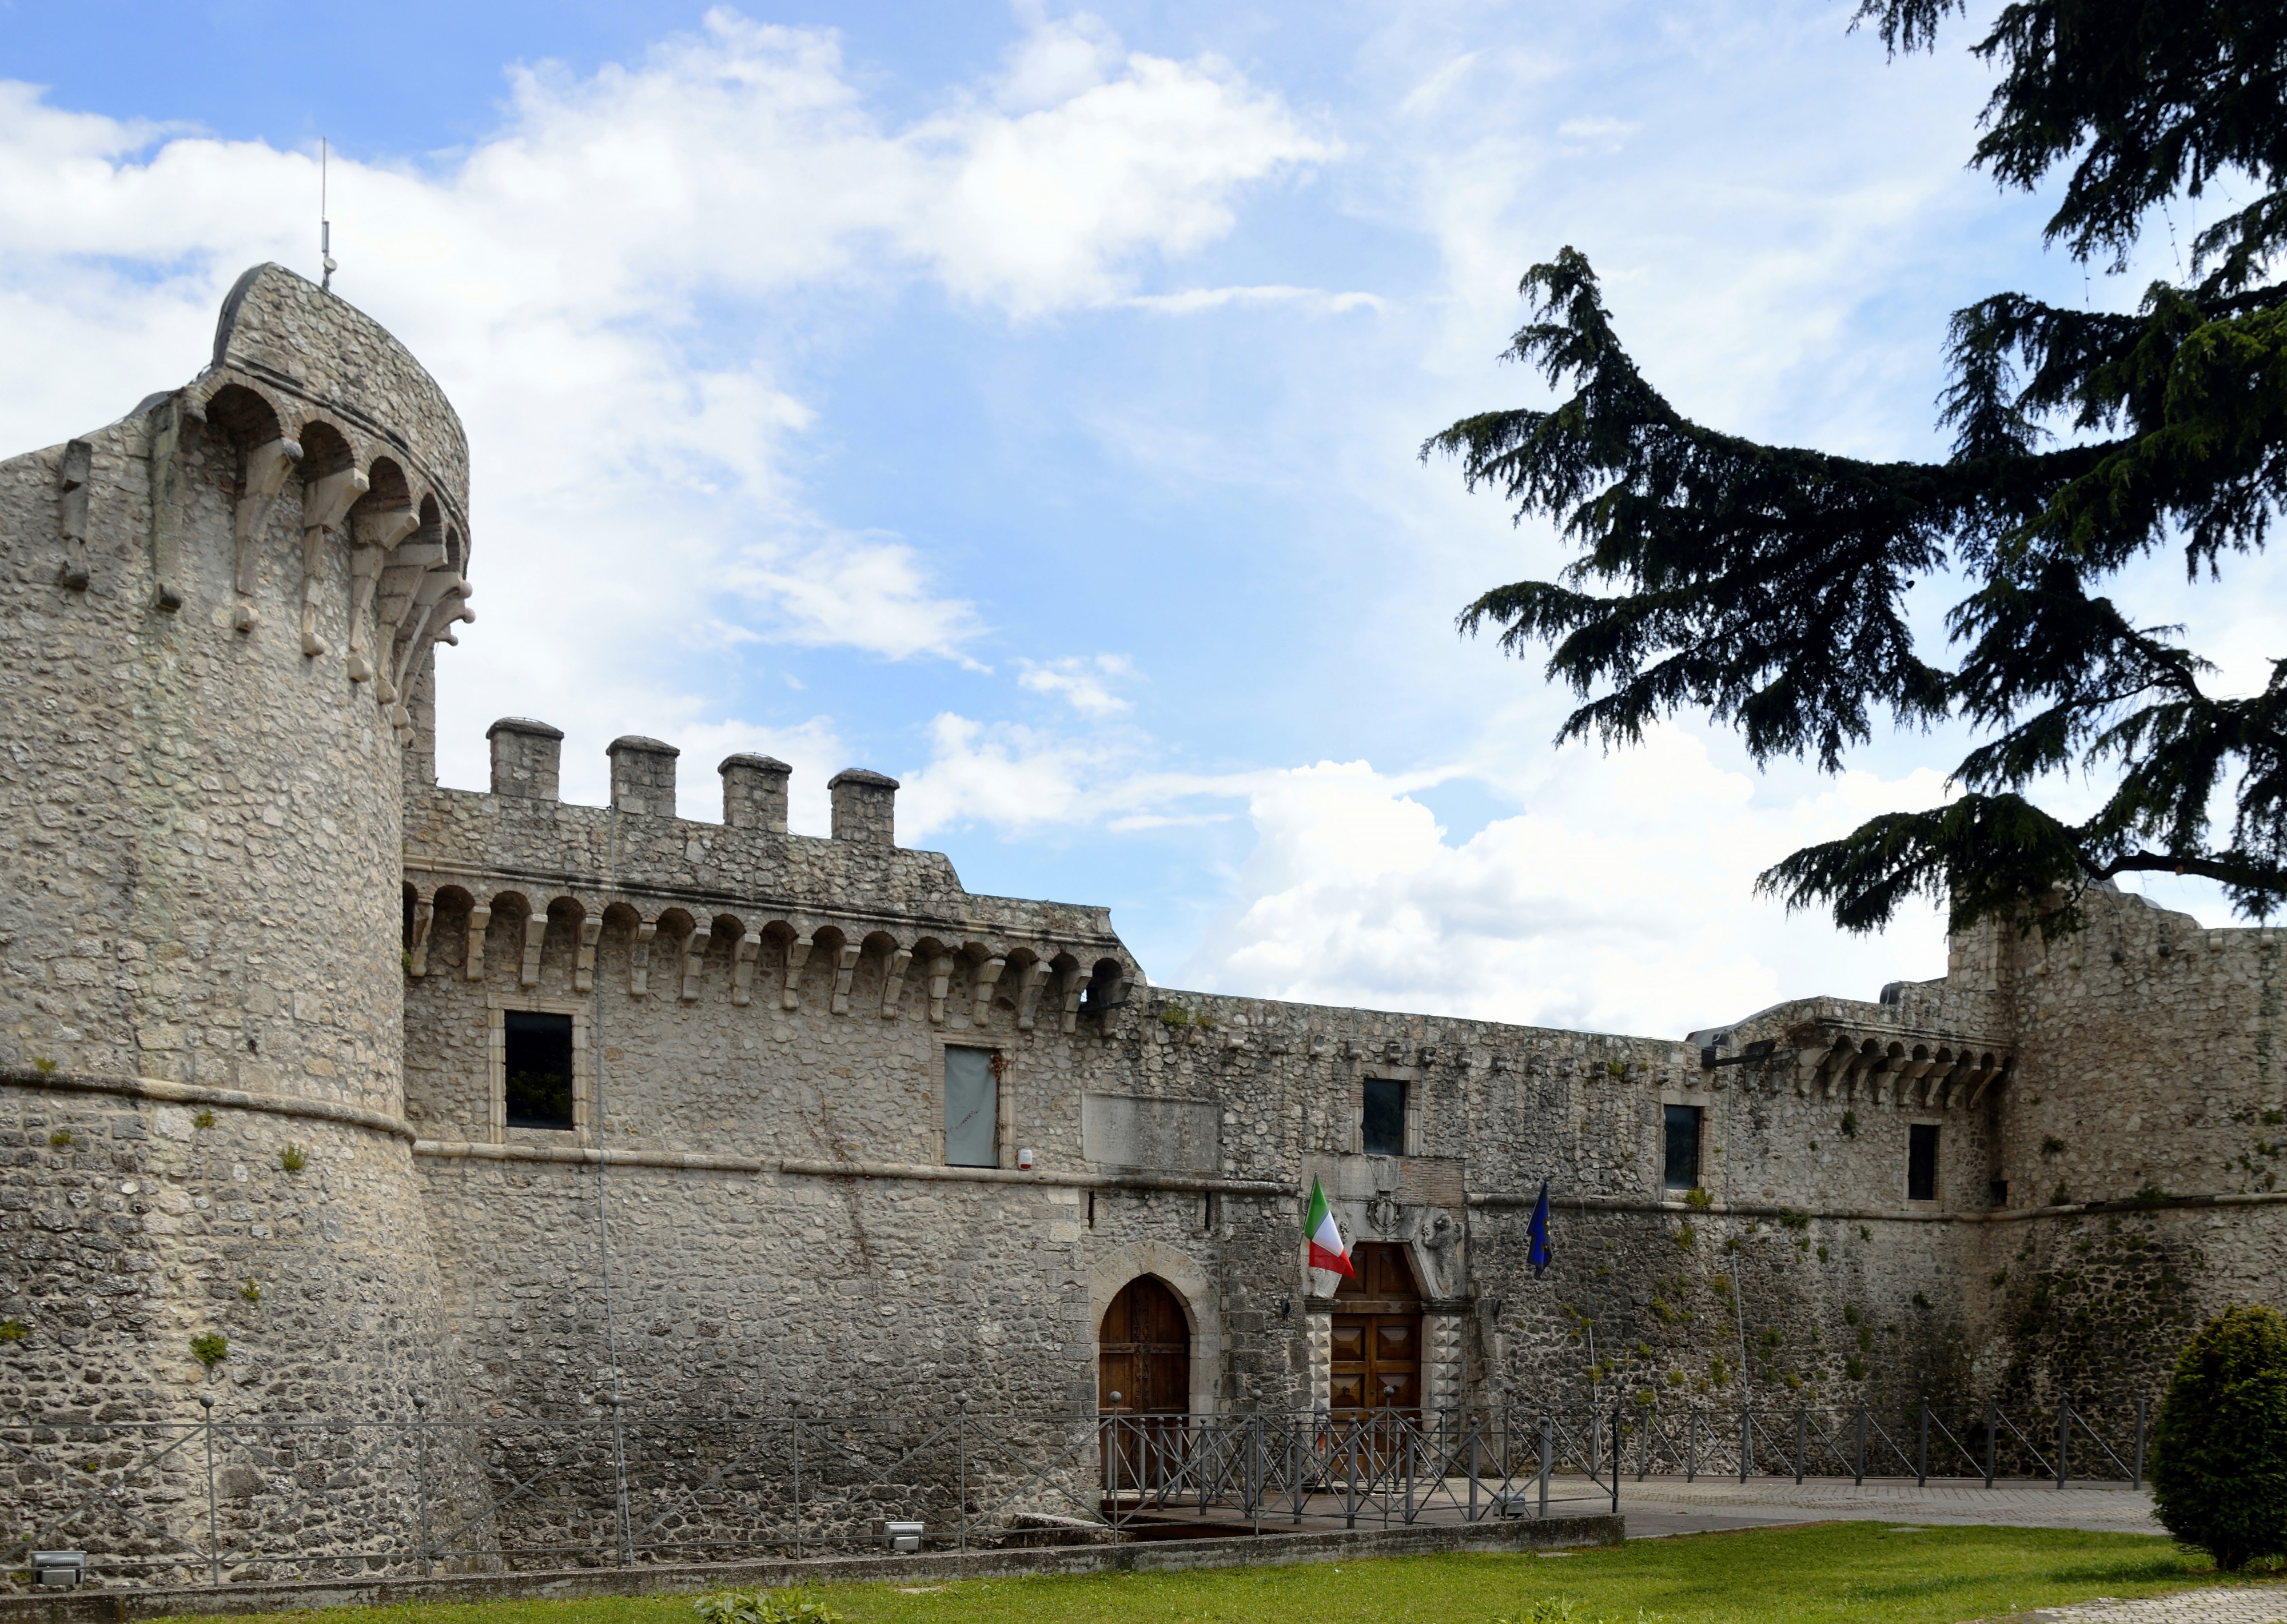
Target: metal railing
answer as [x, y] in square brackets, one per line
[2087, 1444]
[226, 1498]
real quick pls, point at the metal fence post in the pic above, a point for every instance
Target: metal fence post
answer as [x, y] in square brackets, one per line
[214, 1535]
[1691, 1444]
[2138, 1481]
[1921, 1450]
[1548, 1453]
[1473, 1474]
[1616, 1457]
[1643, 1444]
[964, 1508]
[421, 1477]
[2064, 1435]
[793, 1456]
[1992, 1436]
[1254, 1474]
[619, 1474]
[1801, 1433]
[1746, 1440]
[1858, 1467]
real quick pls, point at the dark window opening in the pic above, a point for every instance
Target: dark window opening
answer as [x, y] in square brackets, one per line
[539, 1066]
[1682, 1147]
[1385, 1117]
[1921, 1161]
[2000, 1192]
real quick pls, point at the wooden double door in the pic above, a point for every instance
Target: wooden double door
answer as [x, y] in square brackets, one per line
[1377, 1334]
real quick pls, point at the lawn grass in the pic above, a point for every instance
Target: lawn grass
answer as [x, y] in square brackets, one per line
[1824, 1573]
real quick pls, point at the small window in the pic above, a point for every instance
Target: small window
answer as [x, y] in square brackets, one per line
[538, 1068]
[1385, 1117]
[1682, 1147]
[1921, 1161]
[972, 1110]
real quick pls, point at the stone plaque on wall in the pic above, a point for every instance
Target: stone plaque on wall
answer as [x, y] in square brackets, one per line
[1171, 1135]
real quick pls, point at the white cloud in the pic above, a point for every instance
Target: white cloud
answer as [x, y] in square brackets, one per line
[1604, 134]
[1192, 300]
[1013, 778]
[1082, 683]
[1586, 910]
[634, 502]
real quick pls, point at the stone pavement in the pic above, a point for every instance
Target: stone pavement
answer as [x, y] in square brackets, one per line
[2220, 1604]
[1667, 1505]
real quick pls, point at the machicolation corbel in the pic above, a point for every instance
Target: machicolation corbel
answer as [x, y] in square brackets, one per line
[267, 468]
[71, 512]
[894, 981]
[375, 536]
[325, 499]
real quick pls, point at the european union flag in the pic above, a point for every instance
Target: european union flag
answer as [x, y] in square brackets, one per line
[1539, 1255]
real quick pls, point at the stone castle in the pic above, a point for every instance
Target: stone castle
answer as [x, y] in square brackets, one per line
[369, 1087]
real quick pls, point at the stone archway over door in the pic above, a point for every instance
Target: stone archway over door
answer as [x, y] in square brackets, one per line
[1194, 1291]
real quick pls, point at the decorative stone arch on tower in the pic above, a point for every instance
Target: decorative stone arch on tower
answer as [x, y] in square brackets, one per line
[1194, 1291]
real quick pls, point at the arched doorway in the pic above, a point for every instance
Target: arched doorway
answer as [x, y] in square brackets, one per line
[1144, 1385]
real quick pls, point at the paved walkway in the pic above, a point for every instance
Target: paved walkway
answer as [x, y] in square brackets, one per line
[1660, 1506]
[2238, 1604]
[1669, 1505]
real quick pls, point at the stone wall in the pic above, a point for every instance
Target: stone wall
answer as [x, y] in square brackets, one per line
[746, 1029]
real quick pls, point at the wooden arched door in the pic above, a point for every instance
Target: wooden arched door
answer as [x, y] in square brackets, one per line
[1143, 1385]
[1143, 1352]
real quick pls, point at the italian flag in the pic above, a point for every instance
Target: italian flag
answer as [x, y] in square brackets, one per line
[1326, 1249]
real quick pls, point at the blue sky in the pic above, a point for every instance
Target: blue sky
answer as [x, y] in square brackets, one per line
[1023, 401]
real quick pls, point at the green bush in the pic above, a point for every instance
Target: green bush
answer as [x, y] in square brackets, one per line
[2219, 1452]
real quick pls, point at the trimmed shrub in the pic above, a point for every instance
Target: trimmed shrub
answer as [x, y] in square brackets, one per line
[2220, 1452]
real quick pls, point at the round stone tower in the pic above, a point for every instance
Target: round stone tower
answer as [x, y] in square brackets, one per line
[211, 612]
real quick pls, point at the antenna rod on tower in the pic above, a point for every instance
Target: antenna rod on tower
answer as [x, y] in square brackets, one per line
[325, 226]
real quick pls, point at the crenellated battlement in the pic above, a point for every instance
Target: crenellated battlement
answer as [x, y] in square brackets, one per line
[735, 910]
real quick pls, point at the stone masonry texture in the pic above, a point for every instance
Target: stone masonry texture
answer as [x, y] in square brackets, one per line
[257, 967]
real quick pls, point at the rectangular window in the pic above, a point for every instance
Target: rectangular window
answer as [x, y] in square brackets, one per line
[1385, 1117]
[1682, 1147]
[972, 1110]
[538, 1081]
[1922, 1161]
